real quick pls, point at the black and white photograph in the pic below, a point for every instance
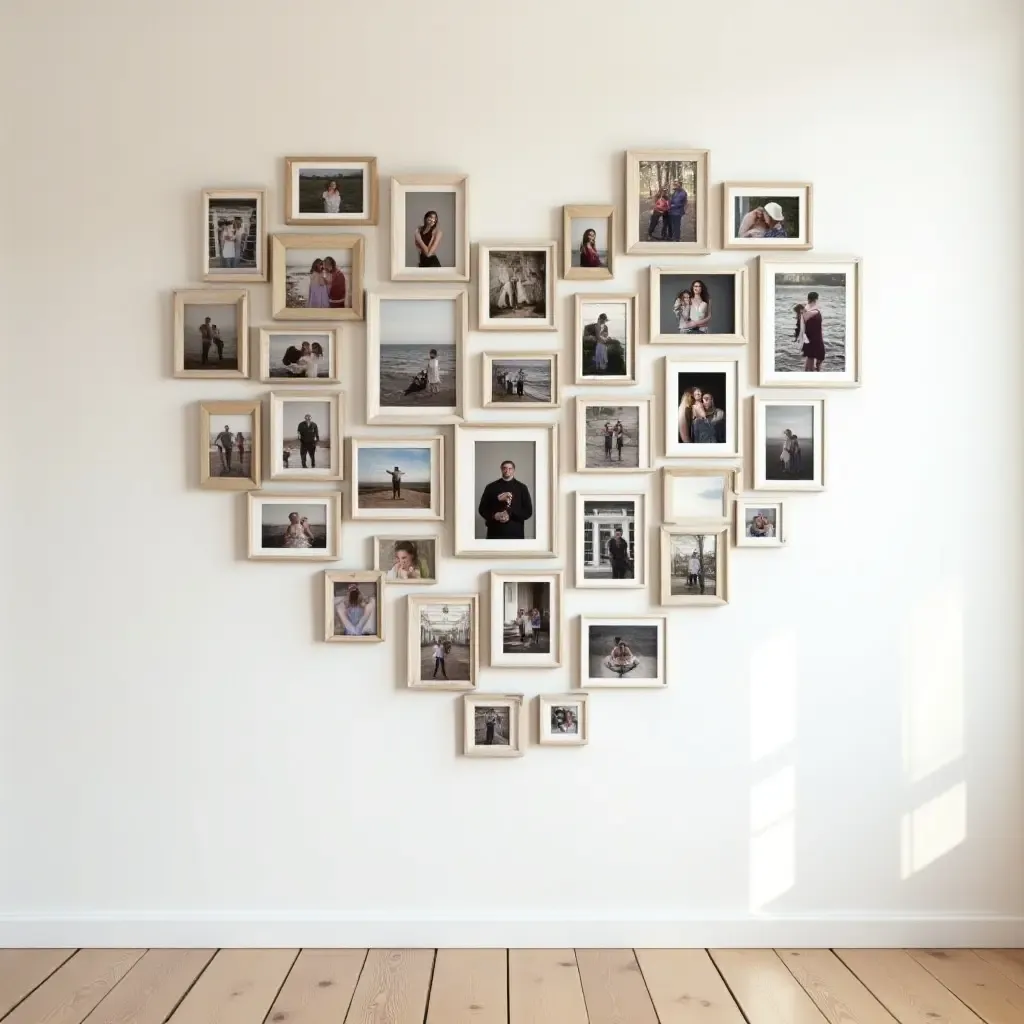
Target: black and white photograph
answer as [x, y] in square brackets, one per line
[622, 652]
[429, 239]
[294, 526]
[694, 564]
[563, 719]
[210, 330]
[701, 409]
[530, 382]
[398, 478]
[526, 611]
[442, 642]
[492, 725]
[605, 339]
[299, 357]
[613, 436]
[667, 201]
[411, 560]
[789, 444]
[353, 610]
[587, 242]
[331, 191]
[698, 308]
[760, 523]
[317, 277]
[234, 235]
[766, 215]
[610, 537]
[697, 493]
[305, 436]
[516, 287]
[229, 457]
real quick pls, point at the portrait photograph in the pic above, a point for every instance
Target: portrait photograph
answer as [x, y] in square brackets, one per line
[611, 541]
[587, 242]
[623, 652]
[760, 523]
[563, 719]
[234, 234]
[299, 527]
[667, 201]
[397, 478]
[526, 619]
[697, 307]
[229, 440]
[527, 381]
[789, 444]
[414, 362]
[605, 339]
[353, 610]
[612, 435]
[701, 409]
[411, 560]
[429, 233]
[443, 642]
[698, 493]
[210, 331]
[317, 277]
[695, 564]
[492, 725]
[810, 323]
[504, 490]
[330, 191]
[299, 357]
[306, 436]
[516, 286]
[766, 215]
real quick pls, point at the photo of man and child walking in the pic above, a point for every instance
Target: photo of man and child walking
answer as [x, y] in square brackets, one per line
[231, 446]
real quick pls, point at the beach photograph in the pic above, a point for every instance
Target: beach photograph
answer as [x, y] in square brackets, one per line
[624, 650]
[318, 279]
[612, 436]
[210, 336]
[695, 496]
[303, 428]
[230, 441]
[796, 333]
[394, 478]
[693, 564]
[789, 442]
[298, 356]
[695, 305]
[604, 341]
[299, 525]
[589, 237]
[417, 354]
[521, 381]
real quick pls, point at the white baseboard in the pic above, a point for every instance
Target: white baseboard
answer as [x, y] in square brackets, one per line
[311, 930]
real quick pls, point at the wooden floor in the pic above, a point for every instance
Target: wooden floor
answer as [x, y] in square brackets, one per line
[517, 986]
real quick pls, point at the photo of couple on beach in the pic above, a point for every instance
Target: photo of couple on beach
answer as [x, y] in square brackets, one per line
[317, 281]
[298, 357]
[417, 355]
[789, 442]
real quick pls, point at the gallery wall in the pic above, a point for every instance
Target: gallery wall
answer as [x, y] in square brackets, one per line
[839, 754]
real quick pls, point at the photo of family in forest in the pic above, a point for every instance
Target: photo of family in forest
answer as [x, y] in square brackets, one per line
[694, 306]
[605, 339]
[315, 281]
[667, 200]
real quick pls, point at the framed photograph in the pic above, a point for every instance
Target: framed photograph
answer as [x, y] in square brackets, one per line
[300, 356]
[526, 619]
[695, 307]
[403, 559]
[492, 724]
[767, 215]
[229, 446]
[611, 541]
[443, 644]
[530, 382]
[306, 435]
[624, 652]
[353, 609]
[588, 234]
[695, 564]
[606, 339]
[789, 444]
[613, 435]
[702, 409]
[330, 191]
[414, 362]
[760, 522]
[210, 330]
[667, 201]
[317, 277]
[810, 323]
[698, 493]
[505, 500]
[563, 719]
[516, 286]
[397, 478]
[234, 234]
[429, 227]
[296, 527]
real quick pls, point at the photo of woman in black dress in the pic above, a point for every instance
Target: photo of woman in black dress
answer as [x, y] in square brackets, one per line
[427, 238]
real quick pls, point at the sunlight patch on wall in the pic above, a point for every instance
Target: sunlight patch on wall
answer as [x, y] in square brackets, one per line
[772, 837]
[933, 829]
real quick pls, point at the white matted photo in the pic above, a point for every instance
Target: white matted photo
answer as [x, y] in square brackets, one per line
[810, 322]
[414, 356]
[297, 527]
[234, 234]
[443, 642]
[613, 435]
[492, 724]
[702, 409]
[605, 339]
[588, 234]
[563, 719]
[760, 522]
[317, 277]
[695, 564]
[230, 453]
[611, 540]
[300, 356]
[698, 492]
[516, 282]
[429, 227]
[767, 215]
[210, 331]
[526, 619]
[505, 499]
[397, 478]
[698, 306]
[523, 381]
[306, 435]
[333, 191]
[667, 201]
[406, 559]
[353, 609]
[789, 444]
[623, 652]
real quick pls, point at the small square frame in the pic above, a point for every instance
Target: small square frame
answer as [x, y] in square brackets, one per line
[330, 579]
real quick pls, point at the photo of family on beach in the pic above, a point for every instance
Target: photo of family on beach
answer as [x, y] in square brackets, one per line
[331, 190]
[513, 380]
[789, 442]
[604, 339]
[300, 357]
[231, 446]
[235, 243]
[302, 437]
[612, 437]
[393, 481]
[587, 246]
[623, 652]
[693, 306]
[356, 608]
[207, 335]
[402, 560]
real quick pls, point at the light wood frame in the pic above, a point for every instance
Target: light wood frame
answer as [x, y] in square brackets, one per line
[207, 413]
[623, 682]
[333, 362]
[760, 501]
[644, 456]
[556, 640]
[569, 244]
[226, 276]
[394, 538]
[279, 246]
[330, 553]
[414, 602]
[276, 401]
[293, 164]
[487, 380]
[514, 701]
[760, 480]
[701, 245]
[631, 301]
[547, 701]
[730, 474]
[741, 303]
[641, 565]
[731, 448]
[484, 320]
[237, 297]
[437, 481]
[803, 242]
[401, 184]
[427, 414]
[332, 578]
[721, 533]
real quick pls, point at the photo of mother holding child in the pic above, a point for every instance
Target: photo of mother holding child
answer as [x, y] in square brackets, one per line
[692, 308]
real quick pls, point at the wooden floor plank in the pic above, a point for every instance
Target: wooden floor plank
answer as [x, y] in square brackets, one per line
[22, 970]
[905, 988]
[544, 987]
[238, 987]
[614, 988]
[837, 993]
[989, 993]
[72, 991]
[393, 987]
[1007, 961]
[764, 988]
[686, 987]
[319, 988]
[470, 986]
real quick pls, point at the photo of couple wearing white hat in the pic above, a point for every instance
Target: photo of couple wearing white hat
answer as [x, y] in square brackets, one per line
[767, 221]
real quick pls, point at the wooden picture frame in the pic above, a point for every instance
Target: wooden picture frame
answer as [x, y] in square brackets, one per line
[500, 608]
[734, 193]
[771, 476]
[516, 402]
[335, 468]
[673, 476]
[611, 445]
[324, 167]
[548, 705]
[572, 243]
[296, 338]
[418, 643]
[373, 502]
[210, 413]
[333, 620]
[298, 502]
[234, 203]
[634, 243]
[607, 512]
[598, 305]
[507, 293]
[284, 297]
[190, 347]
[404, 242]
[699, 532]
[658, 314]
[776, 538]
[617, 669]
[472, 702]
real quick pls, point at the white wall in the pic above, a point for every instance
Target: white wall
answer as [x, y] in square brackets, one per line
[840, 754]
